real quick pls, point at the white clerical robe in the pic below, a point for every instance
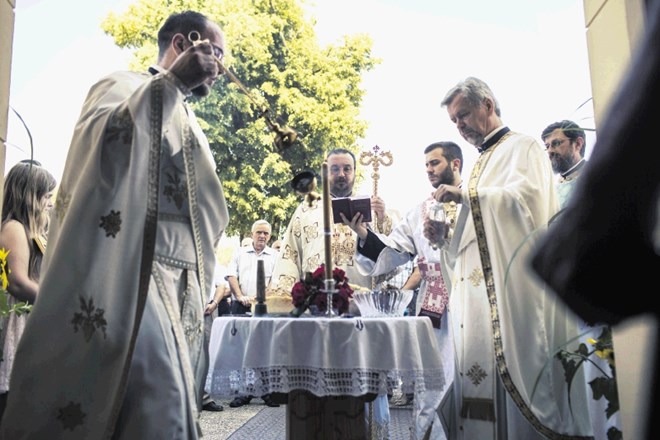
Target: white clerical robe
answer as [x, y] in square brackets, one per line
[506, 327]
[114, 344]
[402, 245]
[303, 250]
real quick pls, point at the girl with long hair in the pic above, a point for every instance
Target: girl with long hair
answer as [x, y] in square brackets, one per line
[28, 193]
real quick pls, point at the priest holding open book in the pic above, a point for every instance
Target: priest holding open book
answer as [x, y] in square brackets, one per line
[302, 244]
[303, 251]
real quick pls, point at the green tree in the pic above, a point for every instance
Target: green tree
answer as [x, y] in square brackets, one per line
[274, 52]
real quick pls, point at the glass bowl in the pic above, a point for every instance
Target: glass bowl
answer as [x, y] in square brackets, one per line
[380, 303]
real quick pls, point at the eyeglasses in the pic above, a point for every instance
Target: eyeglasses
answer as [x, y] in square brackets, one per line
[219, 53]
[556, 143]
[195, 38]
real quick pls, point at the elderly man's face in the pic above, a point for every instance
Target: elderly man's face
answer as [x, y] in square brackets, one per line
[471, 121]
[341, 174]
[260, 237]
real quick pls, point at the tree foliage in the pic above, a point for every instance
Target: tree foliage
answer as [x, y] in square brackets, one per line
[274, 52]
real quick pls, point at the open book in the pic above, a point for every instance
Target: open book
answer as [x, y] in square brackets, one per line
[351, 206]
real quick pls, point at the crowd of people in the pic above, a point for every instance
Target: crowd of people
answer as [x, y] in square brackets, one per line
[132, 308]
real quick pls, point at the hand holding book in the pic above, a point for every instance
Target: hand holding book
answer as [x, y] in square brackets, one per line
[350, 206]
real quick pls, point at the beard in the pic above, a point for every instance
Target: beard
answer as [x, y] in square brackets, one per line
[446, 177]
[560, 164]
[201, 90]
[473, 137]
[341, 187]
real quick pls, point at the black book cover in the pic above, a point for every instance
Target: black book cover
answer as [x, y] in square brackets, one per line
[351, 206]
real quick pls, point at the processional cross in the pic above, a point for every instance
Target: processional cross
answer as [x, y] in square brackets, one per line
[376, 159]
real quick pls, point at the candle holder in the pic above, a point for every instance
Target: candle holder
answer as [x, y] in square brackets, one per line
[330, 292]
[260, 308]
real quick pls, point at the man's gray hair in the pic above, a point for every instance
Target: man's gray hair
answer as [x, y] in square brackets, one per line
[261, 222]
[474, 90]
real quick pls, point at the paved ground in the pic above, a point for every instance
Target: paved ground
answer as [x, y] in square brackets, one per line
[220, 425]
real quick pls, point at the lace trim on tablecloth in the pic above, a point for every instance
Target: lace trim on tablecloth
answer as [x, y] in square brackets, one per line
[320, 381]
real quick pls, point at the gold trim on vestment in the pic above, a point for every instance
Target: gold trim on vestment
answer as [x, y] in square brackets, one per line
[487, 268]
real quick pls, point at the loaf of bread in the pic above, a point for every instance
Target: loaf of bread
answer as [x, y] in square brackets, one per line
[279, 303]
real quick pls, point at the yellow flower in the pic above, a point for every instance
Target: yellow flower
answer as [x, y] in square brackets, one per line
[606, 354]
[603, 348]
[604, 385]
[3, 268]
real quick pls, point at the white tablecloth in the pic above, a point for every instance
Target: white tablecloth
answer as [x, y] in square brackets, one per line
[325, 356]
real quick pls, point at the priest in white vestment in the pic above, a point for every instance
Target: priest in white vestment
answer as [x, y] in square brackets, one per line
[506, 327]
[565, 143]
[114, 347]
[303, 249]
[378, 253]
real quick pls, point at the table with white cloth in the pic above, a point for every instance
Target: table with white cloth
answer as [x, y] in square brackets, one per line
[326, 365]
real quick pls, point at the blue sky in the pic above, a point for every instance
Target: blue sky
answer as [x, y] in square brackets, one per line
[533, 55]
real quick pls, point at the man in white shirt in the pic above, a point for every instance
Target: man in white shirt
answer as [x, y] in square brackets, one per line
[242, 271]
[242, 278]
[220, 294]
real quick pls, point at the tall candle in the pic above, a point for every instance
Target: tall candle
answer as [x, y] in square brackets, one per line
[261, 281]
[327, 233]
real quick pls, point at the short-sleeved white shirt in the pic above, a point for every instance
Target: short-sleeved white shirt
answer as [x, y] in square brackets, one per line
[244, 266]
[218, 279]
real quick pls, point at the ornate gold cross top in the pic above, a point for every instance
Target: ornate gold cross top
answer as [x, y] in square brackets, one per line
[376, 159]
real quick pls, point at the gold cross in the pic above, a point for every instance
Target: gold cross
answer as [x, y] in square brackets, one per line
[376, 159]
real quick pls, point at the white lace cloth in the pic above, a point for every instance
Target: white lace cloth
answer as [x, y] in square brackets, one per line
[325, 356]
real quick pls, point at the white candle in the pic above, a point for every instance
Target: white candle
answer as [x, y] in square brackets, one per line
[327, 234]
